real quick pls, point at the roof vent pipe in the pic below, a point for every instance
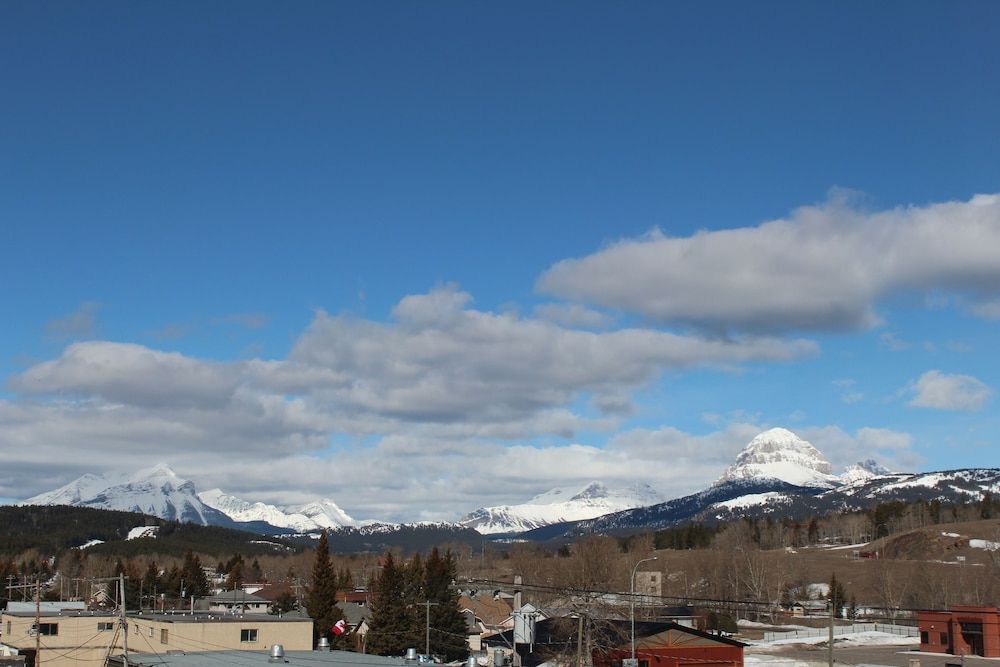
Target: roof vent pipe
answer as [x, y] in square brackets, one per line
[277, 653]
[411, 655]
[324, 644]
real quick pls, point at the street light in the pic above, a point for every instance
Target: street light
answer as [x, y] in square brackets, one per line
[631, 598]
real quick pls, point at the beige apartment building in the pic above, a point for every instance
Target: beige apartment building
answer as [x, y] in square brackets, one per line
[85, 639]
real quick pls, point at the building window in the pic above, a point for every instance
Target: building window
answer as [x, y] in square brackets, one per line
[923, 637]
[163, 636]
[105, 627]
[248, 635]
[50, 629]
[944, 639]
[8, 628]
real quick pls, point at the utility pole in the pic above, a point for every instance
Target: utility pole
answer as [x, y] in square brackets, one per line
[427, 643]
[38, 622]
[517, 615]
[833, 600]
[121, 618]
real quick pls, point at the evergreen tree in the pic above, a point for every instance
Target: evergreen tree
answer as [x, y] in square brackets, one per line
[150, 584]
[195, 581]
[449, 633]
[393, 627]
[836, 596]
[256, 574]
[986, 506]
[284, 603]
[236, 576]
[322, 601]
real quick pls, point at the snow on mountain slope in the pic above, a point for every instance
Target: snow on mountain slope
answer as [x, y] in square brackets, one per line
[157, 491]
[863, 471]
[243, 511]
[781, 455]
[559, 505]
[325, 514]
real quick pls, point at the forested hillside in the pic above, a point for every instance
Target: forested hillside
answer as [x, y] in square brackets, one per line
[52, 529]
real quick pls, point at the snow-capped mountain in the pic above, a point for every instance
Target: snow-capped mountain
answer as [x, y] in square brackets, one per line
[157, 491]
[781, 455]
[559, 505]
[863, 471]
[302, 518]
[778, 474]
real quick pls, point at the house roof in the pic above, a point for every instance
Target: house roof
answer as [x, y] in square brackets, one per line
[256, 659]
[489, 610]
[609, 632]
[353, 612]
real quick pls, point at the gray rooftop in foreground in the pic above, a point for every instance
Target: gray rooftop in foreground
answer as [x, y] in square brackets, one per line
[258, 659]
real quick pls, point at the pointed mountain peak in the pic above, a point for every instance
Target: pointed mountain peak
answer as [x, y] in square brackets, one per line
[782, 455]
[158, 471]
[864, 471]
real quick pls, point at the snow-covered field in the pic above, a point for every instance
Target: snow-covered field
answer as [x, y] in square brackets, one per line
[768, 653]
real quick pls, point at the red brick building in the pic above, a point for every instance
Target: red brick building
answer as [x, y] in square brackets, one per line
[677, 646]
[963, 630]
[658, 644]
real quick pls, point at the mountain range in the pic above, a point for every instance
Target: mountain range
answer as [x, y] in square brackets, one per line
[777, 473]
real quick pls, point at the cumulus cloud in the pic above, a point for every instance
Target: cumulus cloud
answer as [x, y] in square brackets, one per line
[823, 268]
[81, 323]
[945, 391]
[440, 361]
[893, 449]
[572, 315]
[439, 391]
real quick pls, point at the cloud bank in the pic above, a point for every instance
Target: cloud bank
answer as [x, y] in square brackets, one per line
[822, 269]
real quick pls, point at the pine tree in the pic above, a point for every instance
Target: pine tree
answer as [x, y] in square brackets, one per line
[837, 596]
[393, 627]
[322, 601]
[195, 581]
[449, 633]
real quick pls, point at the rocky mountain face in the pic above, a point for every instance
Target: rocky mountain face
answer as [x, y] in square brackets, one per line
[557, 506]
[780, 454]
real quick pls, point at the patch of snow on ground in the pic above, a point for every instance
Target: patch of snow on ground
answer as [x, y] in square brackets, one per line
[846, 546]
[142, 531]
[951, 535]
[984, 544]
[91, 543]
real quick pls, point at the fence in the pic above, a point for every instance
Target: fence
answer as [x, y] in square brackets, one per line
[838, 630]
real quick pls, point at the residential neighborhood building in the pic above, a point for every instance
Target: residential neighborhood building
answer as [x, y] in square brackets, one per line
[85, 639]
[658, 644]
[962, 630]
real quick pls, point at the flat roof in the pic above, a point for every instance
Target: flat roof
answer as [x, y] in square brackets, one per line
[213, 617]
[259, 659]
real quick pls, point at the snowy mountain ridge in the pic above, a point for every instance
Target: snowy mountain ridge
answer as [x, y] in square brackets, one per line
[302, 519]
[157, 491]
[559, 505]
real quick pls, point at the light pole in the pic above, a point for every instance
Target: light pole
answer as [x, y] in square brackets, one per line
[631, 599]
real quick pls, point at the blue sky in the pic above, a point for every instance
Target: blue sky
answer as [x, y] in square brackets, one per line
[479, 250]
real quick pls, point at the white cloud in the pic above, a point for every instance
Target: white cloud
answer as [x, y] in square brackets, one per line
[823, 268]
[944, 391]
[894, 449]
[440, 392]
[572, 315]
[988, 310]
[81, 323]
